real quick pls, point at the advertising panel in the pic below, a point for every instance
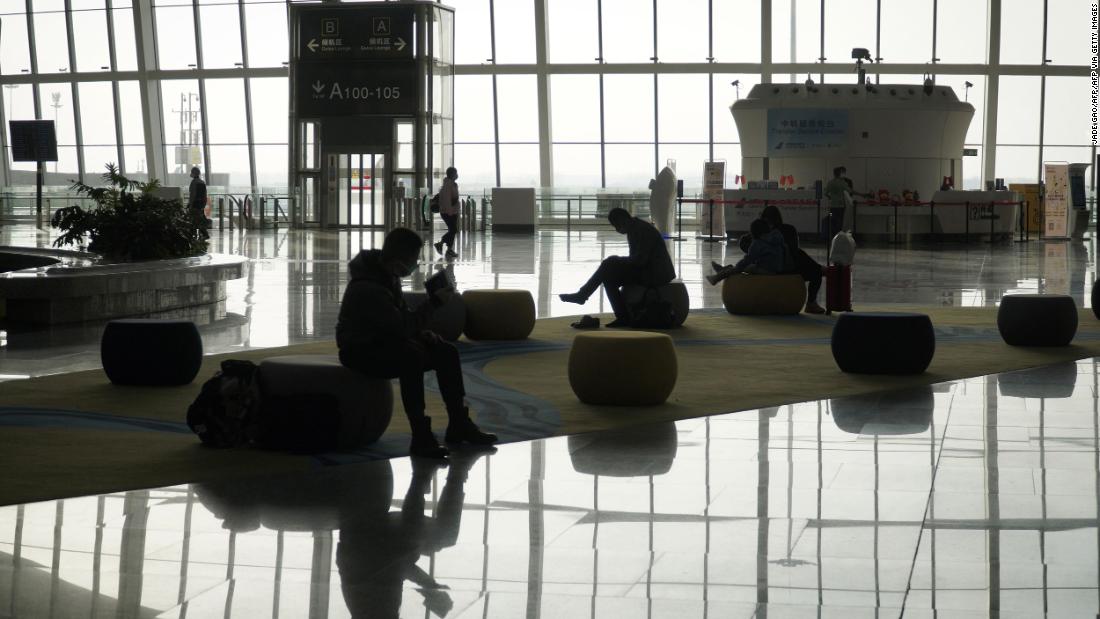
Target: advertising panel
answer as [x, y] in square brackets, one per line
[807, 132]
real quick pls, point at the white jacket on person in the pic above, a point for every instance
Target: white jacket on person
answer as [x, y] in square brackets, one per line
[448, 197]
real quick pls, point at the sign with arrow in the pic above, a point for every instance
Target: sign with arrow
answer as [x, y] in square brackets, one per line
[368, 31]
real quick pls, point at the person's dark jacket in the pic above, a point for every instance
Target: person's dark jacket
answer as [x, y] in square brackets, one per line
[196, 194]
[373, 313]
[648, 252]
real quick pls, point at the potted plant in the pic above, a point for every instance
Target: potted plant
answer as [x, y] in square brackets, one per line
[129, 222]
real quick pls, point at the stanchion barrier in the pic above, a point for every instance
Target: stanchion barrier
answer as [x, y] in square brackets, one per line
[568, 215]
[221, 213]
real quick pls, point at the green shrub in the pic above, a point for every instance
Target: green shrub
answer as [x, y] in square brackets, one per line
[129, 222]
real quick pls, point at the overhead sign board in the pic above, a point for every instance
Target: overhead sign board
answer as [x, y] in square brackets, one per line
[355, 88]
[33, 140]
[355, 32]
[808, 132]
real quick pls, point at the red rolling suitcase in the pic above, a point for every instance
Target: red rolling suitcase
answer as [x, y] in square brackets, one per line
[838, 288]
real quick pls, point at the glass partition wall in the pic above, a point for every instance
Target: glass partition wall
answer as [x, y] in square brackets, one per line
[584, 96]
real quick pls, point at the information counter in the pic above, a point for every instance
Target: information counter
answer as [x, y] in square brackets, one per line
[967, 214]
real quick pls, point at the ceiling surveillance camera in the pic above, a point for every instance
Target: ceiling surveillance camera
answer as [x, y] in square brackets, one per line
[859, 53]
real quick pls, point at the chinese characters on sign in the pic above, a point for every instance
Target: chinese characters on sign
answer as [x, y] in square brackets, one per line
[1056, 202]
[795, 132]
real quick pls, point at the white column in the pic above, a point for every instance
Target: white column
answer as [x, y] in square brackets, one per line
[153, 118]
[992, 94]
[546, 151]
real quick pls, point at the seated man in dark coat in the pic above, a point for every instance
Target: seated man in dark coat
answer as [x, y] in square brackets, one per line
[648, 264]
[378, 335]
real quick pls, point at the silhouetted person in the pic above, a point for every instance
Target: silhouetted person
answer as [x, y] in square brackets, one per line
[379, 552]
[196, 201]
[767, 254]
[648, 265]
[803, 264]
[379, 336]
[448, 212]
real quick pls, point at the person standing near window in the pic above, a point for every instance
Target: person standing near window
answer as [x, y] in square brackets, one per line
[448, 211]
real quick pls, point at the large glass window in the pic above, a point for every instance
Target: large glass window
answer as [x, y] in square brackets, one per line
[477, 165]
[629, 166]
[57, 105]
[175, 37]
[575, 108]
[229, 167]
[125, 43]
[14, 46]
[51, 42]
[958, 39]
[1068, 111]
[683, 111]
[1018, 164]
[906, 31]
[845, 28]
[182, 124]
[518, 115]
[1018, 111]
[271, 166]
[1021, 32]
[472, 42]
[682, 30]
[576, 167]
[736, 31]
[519, 165]
[515, 29]
[628, 108]
[90, 37]
[1069, 28]
[796, 31]
[225, 117]
[269, 110]
[130, 111]
[627, 31]
[97, 114]
[474, 108]
[267, 35]
[221, 36]
[574, 31]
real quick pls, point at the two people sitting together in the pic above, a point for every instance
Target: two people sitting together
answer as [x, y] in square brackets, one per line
[772, 249]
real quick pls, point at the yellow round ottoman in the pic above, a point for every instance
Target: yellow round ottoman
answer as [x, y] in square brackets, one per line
[764, 294]
[499, 314]
[622, 368]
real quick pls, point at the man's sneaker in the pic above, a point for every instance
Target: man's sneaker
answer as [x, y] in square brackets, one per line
[713, 279]
[466, 431]
[814, 308]
[451, 255]
[573, 297]
[438, 247]
[716, 266]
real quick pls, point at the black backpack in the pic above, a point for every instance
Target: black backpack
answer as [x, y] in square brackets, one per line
[224, 414]
[652, 312]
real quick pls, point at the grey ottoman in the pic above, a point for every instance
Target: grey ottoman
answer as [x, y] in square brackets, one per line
[312, 403]
[448, 321]
[1037, 319]
[675, 292]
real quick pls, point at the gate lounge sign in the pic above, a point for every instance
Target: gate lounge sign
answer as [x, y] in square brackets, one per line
[354, 60]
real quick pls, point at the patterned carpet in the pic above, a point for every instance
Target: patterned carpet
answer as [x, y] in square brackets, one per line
[77, 434]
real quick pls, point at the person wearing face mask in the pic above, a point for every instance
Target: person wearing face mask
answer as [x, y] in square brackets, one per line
[378, 335]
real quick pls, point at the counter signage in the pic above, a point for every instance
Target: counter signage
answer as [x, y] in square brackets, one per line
[347, 89]
[1056, 202]
[714, 184]
[363, 33]
[806, 132]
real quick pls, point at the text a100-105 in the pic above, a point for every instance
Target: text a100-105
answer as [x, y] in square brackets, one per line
[353, 93]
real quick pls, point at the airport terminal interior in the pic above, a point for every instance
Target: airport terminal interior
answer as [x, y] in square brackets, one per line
[769, 480]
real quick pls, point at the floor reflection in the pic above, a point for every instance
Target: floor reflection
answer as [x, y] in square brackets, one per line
[973, 497]
[296, 278]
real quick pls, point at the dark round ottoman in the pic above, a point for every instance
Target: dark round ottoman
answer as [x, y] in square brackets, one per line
[674, 292]
[1096, 298]
[1037, 319]
[883, 343]
[147, 351]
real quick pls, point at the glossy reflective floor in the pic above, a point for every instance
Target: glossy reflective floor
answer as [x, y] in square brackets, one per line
[972, 498]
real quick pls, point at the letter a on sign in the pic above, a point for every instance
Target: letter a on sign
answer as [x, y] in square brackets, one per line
[381, 26]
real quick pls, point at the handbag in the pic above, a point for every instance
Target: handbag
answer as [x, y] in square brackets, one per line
[433, 204]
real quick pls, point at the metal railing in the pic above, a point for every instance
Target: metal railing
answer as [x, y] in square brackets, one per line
[250, 210]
